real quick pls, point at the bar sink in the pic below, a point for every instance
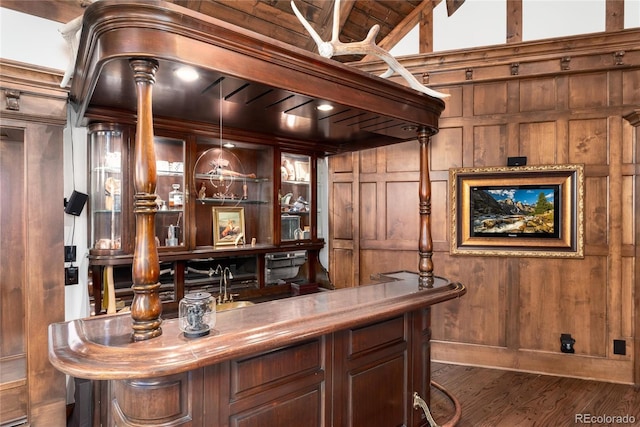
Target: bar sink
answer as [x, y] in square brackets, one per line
[232, 305]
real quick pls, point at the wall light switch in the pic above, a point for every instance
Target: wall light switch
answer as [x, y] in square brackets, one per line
[71, 276]
[69, 254]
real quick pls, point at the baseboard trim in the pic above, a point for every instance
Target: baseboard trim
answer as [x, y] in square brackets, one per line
[537, 362]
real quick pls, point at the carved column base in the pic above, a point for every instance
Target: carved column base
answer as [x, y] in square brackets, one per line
[425, 273]
[146, 324]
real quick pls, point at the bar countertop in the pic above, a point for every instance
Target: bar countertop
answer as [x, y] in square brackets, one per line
[100, 348]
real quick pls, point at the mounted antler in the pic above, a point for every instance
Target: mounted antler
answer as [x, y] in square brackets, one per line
[367, 47]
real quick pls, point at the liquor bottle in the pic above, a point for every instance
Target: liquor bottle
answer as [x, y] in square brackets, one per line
[176, 197]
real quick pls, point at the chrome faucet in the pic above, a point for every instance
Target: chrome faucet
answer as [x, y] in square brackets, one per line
[223, 295]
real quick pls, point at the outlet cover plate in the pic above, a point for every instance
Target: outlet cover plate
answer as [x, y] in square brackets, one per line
[620, 347]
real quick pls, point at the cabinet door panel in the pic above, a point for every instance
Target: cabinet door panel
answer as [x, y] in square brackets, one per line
[299, 409]
[273, 368]
[371, 375]
[377, 394]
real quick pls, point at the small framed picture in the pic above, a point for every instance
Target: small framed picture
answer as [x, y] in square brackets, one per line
[228, 225]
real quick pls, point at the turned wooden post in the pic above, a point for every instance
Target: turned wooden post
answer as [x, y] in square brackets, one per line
[425, 244]
[146, 306]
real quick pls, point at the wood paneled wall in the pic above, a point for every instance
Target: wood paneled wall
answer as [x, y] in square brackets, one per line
[31, 261]
[562, 101]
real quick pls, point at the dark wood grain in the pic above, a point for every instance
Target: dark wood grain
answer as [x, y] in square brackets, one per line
[101, 348]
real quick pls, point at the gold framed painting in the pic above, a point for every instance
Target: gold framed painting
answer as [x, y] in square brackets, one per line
[228, 225]
[534, 211]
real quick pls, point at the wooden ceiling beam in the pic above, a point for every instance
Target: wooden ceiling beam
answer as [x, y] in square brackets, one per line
[260, 17]
[406, 25]
[614, 20]
[453, 5]
[514, 21]
[425, 30]
[325, 28]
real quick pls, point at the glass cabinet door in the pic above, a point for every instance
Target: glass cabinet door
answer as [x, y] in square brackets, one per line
[295, 197]
[170, 190]
[106, 144]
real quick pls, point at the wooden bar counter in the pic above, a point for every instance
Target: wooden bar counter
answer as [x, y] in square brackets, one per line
[349, 357]
[346, 357]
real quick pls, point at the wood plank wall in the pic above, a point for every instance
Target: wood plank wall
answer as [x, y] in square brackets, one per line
[555, 102]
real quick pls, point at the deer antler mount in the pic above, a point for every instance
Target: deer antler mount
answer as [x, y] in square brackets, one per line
[335, 47]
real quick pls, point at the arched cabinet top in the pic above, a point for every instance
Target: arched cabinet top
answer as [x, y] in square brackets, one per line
[268, 87]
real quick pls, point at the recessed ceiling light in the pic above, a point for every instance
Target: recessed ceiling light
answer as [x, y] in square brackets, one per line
[228, 145]
[324, 107]
[187, 74]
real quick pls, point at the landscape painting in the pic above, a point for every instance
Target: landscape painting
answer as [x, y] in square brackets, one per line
[534, 211]
[515, 211]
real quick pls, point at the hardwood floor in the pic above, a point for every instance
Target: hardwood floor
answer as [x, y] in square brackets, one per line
[496, 398]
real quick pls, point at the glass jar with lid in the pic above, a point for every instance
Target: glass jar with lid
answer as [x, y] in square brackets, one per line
[197, 314]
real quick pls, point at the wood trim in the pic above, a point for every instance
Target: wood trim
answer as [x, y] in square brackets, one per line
[634, 119]
[41, 99]
[43, 81]
[585, 367]
[536, 58]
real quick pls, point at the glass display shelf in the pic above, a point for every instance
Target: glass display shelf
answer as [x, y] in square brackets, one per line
[170, 189]
[233, 188]
[295, 196]
[106, 145]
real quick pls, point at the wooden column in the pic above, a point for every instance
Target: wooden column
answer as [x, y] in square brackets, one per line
[146, 306]
[425, 242]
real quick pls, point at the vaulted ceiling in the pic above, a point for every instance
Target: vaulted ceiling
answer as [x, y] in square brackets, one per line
[275, 18]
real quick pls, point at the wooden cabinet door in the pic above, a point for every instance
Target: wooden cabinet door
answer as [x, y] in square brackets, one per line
[371, 379]
[284, 387]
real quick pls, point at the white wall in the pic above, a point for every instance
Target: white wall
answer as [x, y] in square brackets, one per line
[483, 23]
[631, 13]
[77, 304]
[32, 40]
